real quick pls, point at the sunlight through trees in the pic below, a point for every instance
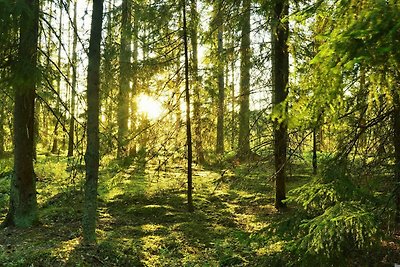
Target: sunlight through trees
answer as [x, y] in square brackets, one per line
[199, 133]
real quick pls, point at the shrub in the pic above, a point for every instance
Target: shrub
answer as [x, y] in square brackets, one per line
[338, 219]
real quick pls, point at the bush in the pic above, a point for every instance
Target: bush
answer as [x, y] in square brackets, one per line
[338, 219]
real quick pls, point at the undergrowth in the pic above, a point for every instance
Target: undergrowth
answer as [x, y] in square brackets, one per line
[143, 219]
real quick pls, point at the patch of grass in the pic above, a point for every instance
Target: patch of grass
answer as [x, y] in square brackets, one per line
[143, 221]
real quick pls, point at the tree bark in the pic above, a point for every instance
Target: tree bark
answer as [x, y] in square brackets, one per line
[315, 146]
[124, 79]
[233, 100]
[198, 143]
[244, 97]
[221, 85]
[23, 203]
[396, 128]
[54, 148]
[71, 134]
[188, 122]
[134, 90]
[280, 75]
[93, 110]
[2, 133]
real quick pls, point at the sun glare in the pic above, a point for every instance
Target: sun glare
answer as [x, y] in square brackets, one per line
[149, 107]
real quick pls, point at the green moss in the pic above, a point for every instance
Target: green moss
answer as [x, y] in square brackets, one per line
[142, 220]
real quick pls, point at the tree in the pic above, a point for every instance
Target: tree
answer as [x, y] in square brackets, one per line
[93, 112]
[23, 204]
[55, 148]
[220, 70]
[244, 97]
[314, 151]
[71, 134]
[134, 77]
[109, 84]
[124, 78]
[198, 142]
[396, 142]
[188, 122]
[2, 132]
[280, 76]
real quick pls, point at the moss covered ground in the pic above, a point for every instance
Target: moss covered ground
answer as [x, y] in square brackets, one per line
[143, 219]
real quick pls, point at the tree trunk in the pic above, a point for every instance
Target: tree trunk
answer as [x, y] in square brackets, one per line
[23, 204]
[2, 132]
[188, 123]
[134, 119]
[124, 79]
[107, 95]
[396, 128]
[36, 130]
[93, 105]
[314, 158]
[244, 97]
[71, 134]
[233, 100]
[221, 86]
[198, 143]
[280, 75]
[54, 148]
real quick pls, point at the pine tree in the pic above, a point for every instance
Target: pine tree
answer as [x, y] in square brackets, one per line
[23, 204]
[280, 76]
[93, 112]
[244, 97]
[220, 70]
[124, 78]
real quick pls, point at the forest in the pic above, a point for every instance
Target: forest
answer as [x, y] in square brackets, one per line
[199, 133]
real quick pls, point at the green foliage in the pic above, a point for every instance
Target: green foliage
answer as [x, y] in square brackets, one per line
[341, 228]
[5, 178]
[143, 222]
[338, 219]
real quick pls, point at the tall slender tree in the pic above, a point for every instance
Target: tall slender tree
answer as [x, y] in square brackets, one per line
[54, 148]
[2, 132]
[220, 69]
[198, 142]
[73, 83]
[396, 142]
[23, 204]
[244, 97]
[188, 122]
[314, 150]
[93, 111]
[280, 76]
[124, 78]
[134, 89]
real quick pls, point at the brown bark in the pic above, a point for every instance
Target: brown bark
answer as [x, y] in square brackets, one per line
[54, 148]
[93, 111]
[315, 146]
[71, 134]
[135, 52]
[198, 143]
[221, 85]
[188, 122]
[124, 79]
[280, 75]
[2, 133]
[396, 141]
[23, 204]
[244, 97]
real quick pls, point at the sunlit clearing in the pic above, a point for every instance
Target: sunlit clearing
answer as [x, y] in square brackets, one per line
[149, 107]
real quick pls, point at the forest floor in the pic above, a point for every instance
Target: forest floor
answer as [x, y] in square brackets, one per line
[143, 219]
